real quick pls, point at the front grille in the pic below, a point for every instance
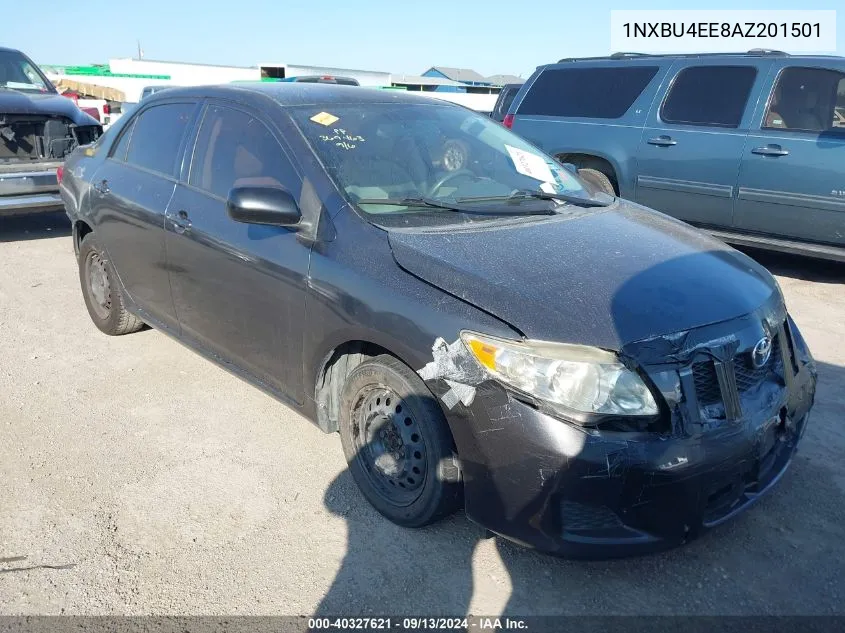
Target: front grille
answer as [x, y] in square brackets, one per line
[747, 376]
[580, 517]
[706, 383]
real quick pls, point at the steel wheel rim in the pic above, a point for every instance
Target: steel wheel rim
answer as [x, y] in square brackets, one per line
[99, 286]
[389, 445]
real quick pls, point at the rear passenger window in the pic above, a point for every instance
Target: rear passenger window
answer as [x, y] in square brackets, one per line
[709, 95]
[235, 149]
[505, 100]
[807, 100]
[157, 136]
[598, 93]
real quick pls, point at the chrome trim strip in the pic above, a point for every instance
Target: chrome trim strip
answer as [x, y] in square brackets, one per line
[686, 186]
[730, 392]
[790, 199]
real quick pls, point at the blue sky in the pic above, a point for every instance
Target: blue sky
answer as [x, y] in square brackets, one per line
[494, 36]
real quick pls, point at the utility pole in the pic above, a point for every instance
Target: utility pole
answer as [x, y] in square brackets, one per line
[140, 51]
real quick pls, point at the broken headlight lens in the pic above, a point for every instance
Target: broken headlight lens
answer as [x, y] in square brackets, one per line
[584, 379]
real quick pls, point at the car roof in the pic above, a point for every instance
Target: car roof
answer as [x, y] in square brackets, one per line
[5, 49]
[298, 94]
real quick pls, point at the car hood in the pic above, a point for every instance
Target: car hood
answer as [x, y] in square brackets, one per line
[601, 277]
[17, 102]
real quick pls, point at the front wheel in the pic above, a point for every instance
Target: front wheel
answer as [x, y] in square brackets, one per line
[397, 444]
[103, 296]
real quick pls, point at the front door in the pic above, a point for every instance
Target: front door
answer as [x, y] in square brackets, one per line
[792, 179]
[689, 153]
[239, 289]
[131, 191]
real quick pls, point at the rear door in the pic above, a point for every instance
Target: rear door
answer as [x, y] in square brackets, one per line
[129, 195]
[690, 150]
[239, 289]
[792, 180]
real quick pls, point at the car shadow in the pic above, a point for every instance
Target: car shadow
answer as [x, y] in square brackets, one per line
[779, 557]
[34, 227]
[798, 267]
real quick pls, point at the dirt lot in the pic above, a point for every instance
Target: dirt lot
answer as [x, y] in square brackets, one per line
[136, 477]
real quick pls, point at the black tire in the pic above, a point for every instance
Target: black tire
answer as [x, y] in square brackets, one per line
[397, 443]
[101, 291]
[597, 179]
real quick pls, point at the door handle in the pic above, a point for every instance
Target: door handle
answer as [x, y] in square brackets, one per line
[770, 150]
[102, 187]
[181, 221]
[662, 141]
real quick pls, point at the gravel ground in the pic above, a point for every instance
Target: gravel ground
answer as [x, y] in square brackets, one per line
[138, 478]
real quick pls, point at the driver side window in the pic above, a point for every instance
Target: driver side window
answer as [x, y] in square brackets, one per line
[235, 149]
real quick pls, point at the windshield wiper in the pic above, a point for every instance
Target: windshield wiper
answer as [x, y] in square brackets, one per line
[436, 204]
[408, 202]
[524, 194]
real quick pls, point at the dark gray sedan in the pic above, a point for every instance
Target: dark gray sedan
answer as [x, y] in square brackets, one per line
[583, 375]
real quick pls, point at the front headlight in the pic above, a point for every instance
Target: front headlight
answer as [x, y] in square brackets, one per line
[584, 379]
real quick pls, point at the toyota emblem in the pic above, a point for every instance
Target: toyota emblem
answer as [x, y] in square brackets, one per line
[762, 352]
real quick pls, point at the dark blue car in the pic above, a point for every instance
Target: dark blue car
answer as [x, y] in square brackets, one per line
[582, 374]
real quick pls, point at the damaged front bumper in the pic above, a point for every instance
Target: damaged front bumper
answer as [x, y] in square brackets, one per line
[730, 434]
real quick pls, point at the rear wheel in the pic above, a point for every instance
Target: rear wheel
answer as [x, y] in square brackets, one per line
[397, 443]
[597, 179]
[103, 297]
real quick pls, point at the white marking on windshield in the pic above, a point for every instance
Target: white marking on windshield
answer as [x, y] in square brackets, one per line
[530, 164]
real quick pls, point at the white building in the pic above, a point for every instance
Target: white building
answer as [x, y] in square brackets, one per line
[125, 78]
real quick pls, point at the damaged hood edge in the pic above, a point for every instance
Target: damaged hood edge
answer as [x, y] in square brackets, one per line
[607, 279]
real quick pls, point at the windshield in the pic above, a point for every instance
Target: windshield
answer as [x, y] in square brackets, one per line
[16, 73]
[436, 158]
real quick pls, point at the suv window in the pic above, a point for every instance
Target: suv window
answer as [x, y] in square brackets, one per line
[709, 95]
[807, 100]
[506, 97]
[157, 136]
[599, 93]
[236, 149]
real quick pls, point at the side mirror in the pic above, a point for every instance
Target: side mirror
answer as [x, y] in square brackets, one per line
[570, 167]
[263, 205]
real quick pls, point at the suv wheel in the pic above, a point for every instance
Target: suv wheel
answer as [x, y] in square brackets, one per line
[103, 296]
[397, 443]
[597, 179]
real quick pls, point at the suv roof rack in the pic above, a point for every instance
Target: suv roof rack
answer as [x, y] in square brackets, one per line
[767, 51]
[631, 55]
